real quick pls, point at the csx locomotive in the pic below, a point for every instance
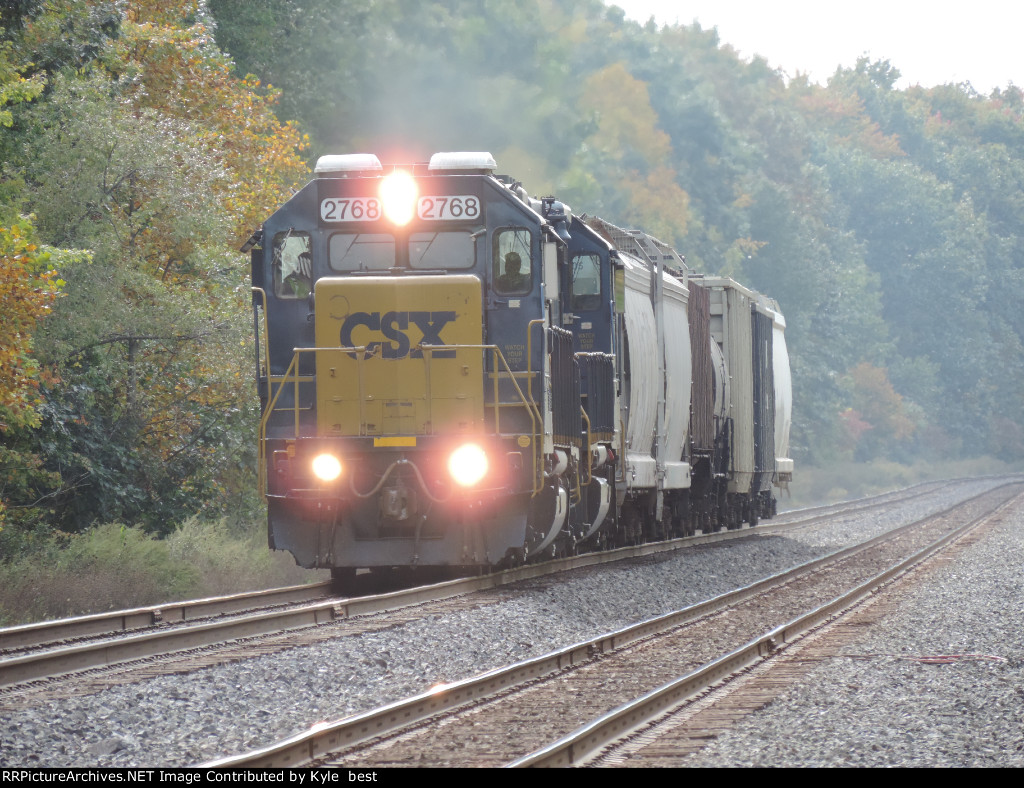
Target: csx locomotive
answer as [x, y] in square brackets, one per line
[455, 374]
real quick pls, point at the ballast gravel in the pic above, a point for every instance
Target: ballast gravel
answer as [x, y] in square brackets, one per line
[187, 719]
[879, 704]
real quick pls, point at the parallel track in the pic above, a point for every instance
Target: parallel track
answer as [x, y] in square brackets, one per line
[495, 718]
[643, 726]
[38, 651]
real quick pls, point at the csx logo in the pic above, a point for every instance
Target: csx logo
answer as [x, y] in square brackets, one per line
[394, 325]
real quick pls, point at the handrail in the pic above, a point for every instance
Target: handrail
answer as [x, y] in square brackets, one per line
[266, 329]
[263, 337]
[622, 451]
[291, 376]
[527, 402]
[529, 350]
[271, 402]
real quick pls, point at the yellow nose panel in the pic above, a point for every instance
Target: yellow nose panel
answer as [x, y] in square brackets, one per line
[395, 385]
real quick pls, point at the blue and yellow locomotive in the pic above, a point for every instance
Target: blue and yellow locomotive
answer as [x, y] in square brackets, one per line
[454, 374]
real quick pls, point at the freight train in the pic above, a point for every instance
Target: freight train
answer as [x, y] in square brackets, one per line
[454, 374]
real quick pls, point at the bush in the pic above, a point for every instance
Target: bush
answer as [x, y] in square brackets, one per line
[113, 566]
[843, 481]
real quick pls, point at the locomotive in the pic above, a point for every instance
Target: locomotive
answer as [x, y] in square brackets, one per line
[454, 374]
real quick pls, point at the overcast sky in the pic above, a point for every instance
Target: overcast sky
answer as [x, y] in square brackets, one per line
[929, 42]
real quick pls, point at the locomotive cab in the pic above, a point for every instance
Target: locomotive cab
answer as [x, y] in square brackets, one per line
[412, 391]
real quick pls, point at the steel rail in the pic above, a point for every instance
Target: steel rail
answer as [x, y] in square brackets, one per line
[589, 740]
[40, 633]
[97, 624]
[164, 640]
[324, 738]
[161, 638]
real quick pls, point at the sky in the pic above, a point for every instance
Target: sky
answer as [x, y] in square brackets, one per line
[930, 43]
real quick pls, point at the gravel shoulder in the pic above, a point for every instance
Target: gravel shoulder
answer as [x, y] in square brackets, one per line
[180, 720]
[883, 707]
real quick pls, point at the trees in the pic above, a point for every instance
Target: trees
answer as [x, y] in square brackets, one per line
[887, 223]
[144, 154]
[944, 246]
[627, 143]
[28, 288]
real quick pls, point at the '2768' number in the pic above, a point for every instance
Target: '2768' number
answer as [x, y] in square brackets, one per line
[446, 208]
[368, 209]
[351, 209]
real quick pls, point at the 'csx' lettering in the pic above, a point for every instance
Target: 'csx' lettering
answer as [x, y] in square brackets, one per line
[393, 325]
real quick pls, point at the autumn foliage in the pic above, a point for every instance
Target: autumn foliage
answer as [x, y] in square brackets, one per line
[877, 419]
[178, 70]
[28, 287]
[627, 138]
[133, 397]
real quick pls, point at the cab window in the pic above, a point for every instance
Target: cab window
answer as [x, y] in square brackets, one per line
[293, 265]
[513, 264]
[361, 251]
[452, 249]
[586, 282]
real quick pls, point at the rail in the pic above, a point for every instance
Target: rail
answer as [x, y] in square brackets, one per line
[587, 741]
[326, 738]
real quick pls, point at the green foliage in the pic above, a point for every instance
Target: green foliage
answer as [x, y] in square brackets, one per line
[14, 88]
[130, 184]
[848, 480]
[888, 224]
[149, 362]
[28, 287]
[141, 149]
[113, 567]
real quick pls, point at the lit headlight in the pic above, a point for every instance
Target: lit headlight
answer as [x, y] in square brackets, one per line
[398, 193]
[326, 467]
[468, 464]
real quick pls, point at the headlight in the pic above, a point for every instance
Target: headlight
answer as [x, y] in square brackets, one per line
[468, 464]
[326, 467]
[398, 193]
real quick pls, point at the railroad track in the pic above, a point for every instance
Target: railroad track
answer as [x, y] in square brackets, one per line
[511, 715]
[666, 725]
[116, 645]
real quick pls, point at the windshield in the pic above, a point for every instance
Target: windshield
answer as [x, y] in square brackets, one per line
[362, 252]
[376, 251]
[452, 249]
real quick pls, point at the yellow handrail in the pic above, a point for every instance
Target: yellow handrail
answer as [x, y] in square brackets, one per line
[273, 396]
[527, 402]
[271, 402]
[291, 376]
